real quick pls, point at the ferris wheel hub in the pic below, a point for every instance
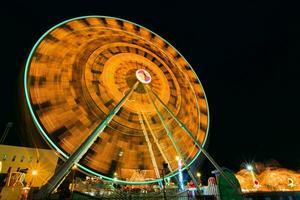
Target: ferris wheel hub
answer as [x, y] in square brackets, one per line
[143, 76]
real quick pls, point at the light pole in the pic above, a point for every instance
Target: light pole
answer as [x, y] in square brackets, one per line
[199, 177]
[33, 174]
[115, 176]
[180, 177]
[74, 168]
[165, 166]
[250, 168]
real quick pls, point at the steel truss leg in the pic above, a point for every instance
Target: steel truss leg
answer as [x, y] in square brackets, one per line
[149, 145]
[80, 151]
[178, 151]
[157, 143]
[190, 134]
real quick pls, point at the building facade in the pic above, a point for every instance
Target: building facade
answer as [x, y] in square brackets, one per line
[38, 164]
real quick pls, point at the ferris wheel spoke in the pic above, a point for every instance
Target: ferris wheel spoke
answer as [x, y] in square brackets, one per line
[169, 133]
[83, 148]
[190, 134]
[149, 145]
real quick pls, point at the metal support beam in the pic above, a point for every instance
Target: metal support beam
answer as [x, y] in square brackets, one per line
[157, 143]
[149, 145]
[178, 151]
[190, 134]
[80, 151]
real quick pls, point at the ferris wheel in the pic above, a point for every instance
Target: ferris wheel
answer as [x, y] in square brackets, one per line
[113, 97]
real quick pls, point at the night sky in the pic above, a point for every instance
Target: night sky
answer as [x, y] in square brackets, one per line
[246, 55]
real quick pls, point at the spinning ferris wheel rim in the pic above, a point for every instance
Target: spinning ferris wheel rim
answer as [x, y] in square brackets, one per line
[60, 151]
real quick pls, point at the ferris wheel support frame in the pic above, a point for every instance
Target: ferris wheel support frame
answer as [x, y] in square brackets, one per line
[80, 151]
[149, 145]
[190, 134]
[169, 133]
[157, 143]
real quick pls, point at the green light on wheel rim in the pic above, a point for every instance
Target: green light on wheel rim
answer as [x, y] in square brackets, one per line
[64, 155]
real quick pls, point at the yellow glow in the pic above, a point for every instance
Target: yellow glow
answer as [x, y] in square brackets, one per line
[34, 172]
[45, 166]
[198, 174]
[269, 179]
[177, 158]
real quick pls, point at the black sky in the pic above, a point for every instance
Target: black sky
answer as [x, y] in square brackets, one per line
[246, 55]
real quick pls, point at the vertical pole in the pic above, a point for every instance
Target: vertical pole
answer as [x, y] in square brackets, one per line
[164, 181]
[80, 151]
[190, 134]
[180, 177]
[74, 168]
[178, 151]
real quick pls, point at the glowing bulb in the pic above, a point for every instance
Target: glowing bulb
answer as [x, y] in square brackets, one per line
[249, 167]
[177, 158]
[198, 174]
[34, 172]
